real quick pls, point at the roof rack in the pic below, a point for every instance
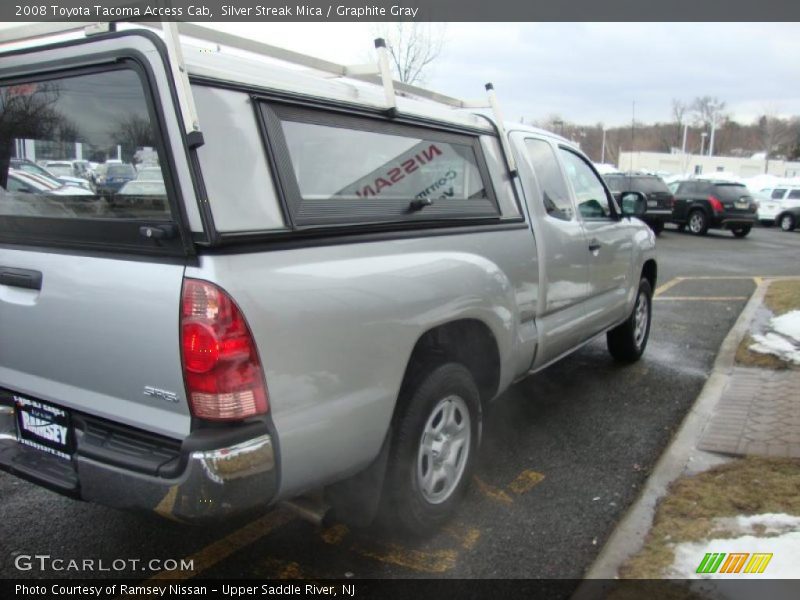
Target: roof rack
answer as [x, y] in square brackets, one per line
[378, 73]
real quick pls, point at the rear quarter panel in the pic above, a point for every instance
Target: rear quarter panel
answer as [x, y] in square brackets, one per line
[336, 325]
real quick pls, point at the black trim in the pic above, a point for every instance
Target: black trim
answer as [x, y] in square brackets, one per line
[303, 213]
[79, 249]
[288, 240]
[187, 236]
[111, 234]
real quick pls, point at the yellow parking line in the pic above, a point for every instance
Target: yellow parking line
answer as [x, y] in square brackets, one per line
[703, 298]
[525, 482]
[663, 288]
[218, 551]
[433, 561]
[492, 492]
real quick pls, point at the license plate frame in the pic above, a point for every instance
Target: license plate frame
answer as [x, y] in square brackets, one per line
[741, 205]
[652, 204]
[44, 426]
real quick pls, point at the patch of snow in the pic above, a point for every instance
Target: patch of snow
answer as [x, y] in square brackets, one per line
[785, 550]
[782, 338]
[788, 325]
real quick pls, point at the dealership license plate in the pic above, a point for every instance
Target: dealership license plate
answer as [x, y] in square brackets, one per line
[652, 203]
[741, 205]
[44, 426]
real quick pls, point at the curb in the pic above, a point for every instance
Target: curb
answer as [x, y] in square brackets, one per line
[628, 537]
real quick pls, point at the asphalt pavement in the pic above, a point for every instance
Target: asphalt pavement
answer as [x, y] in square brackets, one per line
[565, 453]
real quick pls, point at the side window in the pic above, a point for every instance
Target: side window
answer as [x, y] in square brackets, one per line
[342, 169]
[777, 194]
[101, 118]
[793, 195]
[593, 202]
[555, 196]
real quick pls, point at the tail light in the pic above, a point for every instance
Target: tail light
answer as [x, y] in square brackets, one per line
[716, 205]
[221, 368]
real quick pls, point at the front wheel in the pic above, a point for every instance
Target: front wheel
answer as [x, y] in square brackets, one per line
[741, 232]
[787, 222]
[627, 341]
[434, 446]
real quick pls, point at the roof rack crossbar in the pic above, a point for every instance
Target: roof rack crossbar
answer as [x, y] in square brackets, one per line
[379, 73]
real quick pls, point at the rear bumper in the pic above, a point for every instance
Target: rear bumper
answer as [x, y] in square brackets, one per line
[732, 221]
[216, 480]
[657, 215]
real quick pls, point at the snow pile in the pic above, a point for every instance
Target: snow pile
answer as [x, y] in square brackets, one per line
[782, 339]
[776, 534]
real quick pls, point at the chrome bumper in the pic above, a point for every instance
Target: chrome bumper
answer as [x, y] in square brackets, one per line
[215, 483]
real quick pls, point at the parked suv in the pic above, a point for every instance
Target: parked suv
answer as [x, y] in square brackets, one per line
[659, 198]
[324, 296]
[780, 209]
[701, 205]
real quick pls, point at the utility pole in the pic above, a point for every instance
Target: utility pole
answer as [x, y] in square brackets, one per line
[702, 142]
[633, 120]
[713, 129]
[603, 148]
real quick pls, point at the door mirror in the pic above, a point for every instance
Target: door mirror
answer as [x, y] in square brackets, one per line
[634, 204]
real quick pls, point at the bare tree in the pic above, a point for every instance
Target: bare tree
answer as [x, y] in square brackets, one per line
[412, 47]
[679, 114]
[706, 109]
[773, 132]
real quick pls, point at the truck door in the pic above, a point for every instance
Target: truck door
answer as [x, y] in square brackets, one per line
[609, 244]
[563, 260]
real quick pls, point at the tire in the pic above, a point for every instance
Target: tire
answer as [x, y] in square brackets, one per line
[787, 222]
[741, 232]
[438, 424]
[657, 227]
[698, 222]
[627, 341]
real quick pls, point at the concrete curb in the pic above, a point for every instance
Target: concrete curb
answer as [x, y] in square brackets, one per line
[628, 537]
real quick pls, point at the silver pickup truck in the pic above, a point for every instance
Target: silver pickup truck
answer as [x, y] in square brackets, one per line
[318, 297]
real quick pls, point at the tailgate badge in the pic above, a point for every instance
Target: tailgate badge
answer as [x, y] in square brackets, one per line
[163, 394]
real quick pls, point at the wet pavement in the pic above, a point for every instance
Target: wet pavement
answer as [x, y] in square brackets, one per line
[565, 453]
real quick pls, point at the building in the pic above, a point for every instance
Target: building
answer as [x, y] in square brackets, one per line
[693, 164]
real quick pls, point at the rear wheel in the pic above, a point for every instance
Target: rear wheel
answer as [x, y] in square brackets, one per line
[627, 341]
[787, 222]
[433, 451]
[741, 232]
[698, 222]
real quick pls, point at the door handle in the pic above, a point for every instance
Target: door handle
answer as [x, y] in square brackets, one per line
[22, 278]
[594, 246]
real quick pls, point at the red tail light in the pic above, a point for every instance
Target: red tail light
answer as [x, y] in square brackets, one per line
[716, 205]
[221, 368]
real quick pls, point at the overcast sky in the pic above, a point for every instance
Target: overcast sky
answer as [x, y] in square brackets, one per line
[588, 72]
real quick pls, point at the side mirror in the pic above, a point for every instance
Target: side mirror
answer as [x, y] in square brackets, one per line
[634, 204]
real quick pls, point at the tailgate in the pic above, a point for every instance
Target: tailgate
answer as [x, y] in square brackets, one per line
[90, 285]
[98, 333]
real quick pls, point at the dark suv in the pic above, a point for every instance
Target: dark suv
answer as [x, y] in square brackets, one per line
[659, 198]
[703, 205]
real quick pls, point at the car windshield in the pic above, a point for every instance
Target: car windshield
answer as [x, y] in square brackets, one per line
[647, 185]
[732, 191]
[60, 170]
[143, 188]
[126, 171]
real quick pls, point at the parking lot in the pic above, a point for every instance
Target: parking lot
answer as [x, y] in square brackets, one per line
[565, 453]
